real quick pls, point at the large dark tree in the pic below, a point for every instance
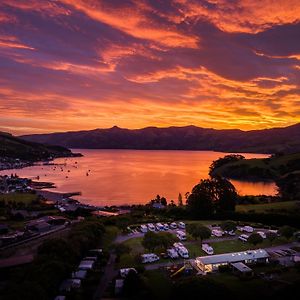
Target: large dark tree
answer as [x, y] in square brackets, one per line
[210, 196]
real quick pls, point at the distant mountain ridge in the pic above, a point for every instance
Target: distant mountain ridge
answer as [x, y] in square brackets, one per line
[14, 147]
[286, 139]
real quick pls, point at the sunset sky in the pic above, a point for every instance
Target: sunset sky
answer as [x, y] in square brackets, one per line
[85, 64]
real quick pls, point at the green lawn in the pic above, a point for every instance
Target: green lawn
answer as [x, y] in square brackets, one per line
[18, 198]
[286, 206]
[159, 284]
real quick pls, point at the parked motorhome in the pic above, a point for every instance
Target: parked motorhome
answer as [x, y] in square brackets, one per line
[217, 232]
[244, 237]
[149, 258]
[262, 234]
[181, 250]
[172, 253]
[181, 225]
[151, 227]
[125, 272]
[159, 227]
[181, 235]
[173, 225]
[208, 249]
[166, 226]
[248, 229]
[144, 228]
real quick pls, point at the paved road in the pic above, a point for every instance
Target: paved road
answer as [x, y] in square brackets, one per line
[107, 277]
[15, 261]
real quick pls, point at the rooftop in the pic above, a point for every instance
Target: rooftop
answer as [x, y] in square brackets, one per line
[233, 257]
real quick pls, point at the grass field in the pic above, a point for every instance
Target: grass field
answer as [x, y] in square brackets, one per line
[18, 198]
[284, 207]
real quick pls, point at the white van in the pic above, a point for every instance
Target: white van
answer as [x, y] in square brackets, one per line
[208, 249]
[173, 225]
[181, 225]
[151, 227]
[244, 237]
[159, 227]
[166, 226]
[181, 235]
[172, 253]
[149, 258]
[144, 228]
[217, 232]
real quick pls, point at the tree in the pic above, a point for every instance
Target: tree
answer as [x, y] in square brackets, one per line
[180, 202]
[163, 201]
[228, 226]
[151, 241]
[210, 196]
[198, 231]
[223, 161]
[286, 231]
[271, 236]
[255, 239]
[165, 239]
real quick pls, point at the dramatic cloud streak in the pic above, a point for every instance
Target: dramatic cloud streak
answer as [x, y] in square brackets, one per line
[74, 64]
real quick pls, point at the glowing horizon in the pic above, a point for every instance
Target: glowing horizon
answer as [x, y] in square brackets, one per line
[70, 65]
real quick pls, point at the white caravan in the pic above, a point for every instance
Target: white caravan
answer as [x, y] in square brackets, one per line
[217, 232]
[172, 253]
[208, 249]
[181, 225]
[181, 235]
[149, 258]
[173, 225]
[159, 227]
[151, 227]
[244, 237]
[166, 226]
[144, 228]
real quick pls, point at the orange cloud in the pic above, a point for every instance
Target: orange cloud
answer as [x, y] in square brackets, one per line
[244, 15]
[12, 42]
[133, 22]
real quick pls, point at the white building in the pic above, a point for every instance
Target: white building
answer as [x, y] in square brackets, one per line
[212, 262]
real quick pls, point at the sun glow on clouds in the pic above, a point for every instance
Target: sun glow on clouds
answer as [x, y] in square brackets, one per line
[140, 63]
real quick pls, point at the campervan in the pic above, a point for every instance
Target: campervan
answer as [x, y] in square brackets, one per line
[125, 272]
[247, 229]
[181, 225]
[183, 252]
[173, 225]
[181, 235]
[244, 237]
[217, 232]
[208, 249]
[151, 227]
[172, 253]
[144, 228]
[149, 258]
[159, 227]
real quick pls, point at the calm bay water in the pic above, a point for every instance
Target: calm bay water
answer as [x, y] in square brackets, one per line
[131, 176]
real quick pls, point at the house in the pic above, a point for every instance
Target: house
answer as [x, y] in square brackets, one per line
[211, 263]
